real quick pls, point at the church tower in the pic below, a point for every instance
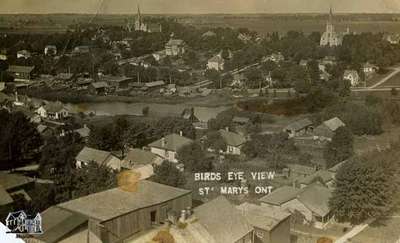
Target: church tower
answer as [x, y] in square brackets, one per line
[138, 22]
[329, 25]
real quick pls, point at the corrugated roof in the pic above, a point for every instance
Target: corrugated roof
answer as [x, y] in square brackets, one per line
[222, 220]
[172, 142]
[58, 222]
[88, 155]
[232, 138]
[263, 217]
[280, 195]
[116, 202]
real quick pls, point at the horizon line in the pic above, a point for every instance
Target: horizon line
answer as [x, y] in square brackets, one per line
[205, 13]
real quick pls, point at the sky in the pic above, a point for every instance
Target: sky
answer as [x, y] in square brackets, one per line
[199, 6]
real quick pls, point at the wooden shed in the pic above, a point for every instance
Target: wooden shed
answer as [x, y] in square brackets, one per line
[115, 215]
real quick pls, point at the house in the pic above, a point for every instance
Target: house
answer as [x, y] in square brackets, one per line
[159, 55]
[274, 57]
[218, 221]
[327, 129]
[24, 54]
[167, 147]
[87, 155]
[83, 132]
[21, 73]
[233, 141]
[116, 82]
[175, 47]
[50, 50]
[299, 128]
[352, 76]
[53, 110]
[269, 225]
[3, 55]
[83, 83]
[393, 39]
[208, 34]
[188, 114]
[311, 202]
[239, 80]
[323, 176]
[62, 226]
[80, 50]
[303, 62]
[155, 84]
[45, 131]
[238, 120]
[117, 214]
[141, 162]
[99, 87]
[139, 157]
[216, 63]
[369, 68]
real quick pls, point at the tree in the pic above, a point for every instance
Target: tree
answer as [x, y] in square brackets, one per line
[168, 174]
[93, 178]
[340, 148]
[19, 140]
[194, 158]
[215, 141]
[394, 92]
[366, 187]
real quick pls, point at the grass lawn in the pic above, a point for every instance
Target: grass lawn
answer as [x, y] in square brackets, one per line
[392, 82]
[373, 79]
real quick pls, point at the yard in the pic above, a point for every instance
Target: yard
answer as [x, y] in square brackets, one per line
[392, 82]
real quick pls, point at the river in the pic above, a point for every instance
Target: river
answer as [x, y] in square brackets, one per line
[159, 110]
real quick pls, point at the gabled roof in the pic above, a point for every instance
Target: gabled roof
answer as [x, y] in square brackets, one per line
[333, 124]
[84, 132]
[239, 119]
[173, 142]
[138, 157]
[281, 195]
[350, 72]
[58, 222]
[222, 220]
[299, 125]
[88, 155]
[217, 58]
[20, 69]
[316, 197]
[154, 84]
[231, 138]
[116, 202]
[54, 107]
[10, 181]
[263, 217]
[325, 175]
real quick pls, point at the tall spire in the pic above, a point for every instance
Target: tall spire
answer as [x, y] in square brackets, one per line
[139, 17]
[330, 13]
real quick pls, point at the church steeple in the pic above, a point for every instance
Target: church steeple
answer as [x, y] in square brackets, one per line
[139, 16]
[330, 14]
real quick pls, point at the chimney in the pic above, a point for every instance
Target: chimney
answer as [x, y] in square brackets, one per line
[163, 142]
[181, 133]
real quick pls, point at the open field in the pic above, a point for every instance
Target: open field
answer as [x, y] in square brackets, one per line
[365, 144]
[375, 78]
[392, 82]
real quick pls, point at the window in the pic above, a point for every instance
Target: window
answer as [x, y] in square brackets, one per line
[259, 234]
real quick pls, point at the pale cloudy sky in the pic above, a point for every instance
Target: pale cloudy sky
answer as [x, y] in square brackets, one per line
[199, 6]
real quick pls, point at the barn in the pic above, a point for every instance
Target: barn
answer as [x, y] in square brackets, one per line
[116, 214]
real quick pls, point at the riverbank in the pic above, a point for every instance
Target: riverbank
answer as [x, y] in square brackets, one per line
[219, 98]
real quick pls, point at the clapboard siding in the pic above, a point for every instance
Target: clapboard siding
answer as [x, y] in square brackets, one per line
[124, 226]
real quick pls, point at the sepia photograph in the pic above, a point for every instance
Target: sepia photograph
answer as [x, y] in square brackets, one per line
[200, 121]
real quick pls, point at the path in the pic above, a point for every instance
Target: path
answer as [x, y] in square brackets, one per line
[396, 71]
[353, 232]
